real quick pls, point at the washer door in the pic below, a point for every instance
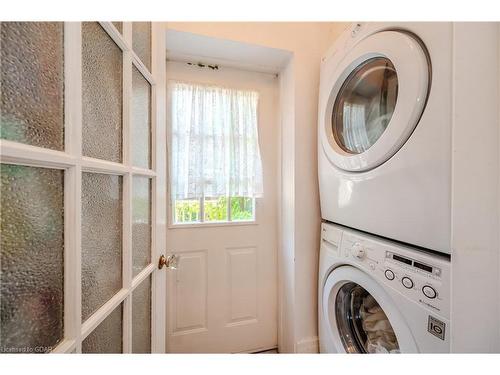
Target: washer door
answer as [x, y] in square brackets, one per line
[361, 317]
[378, 93]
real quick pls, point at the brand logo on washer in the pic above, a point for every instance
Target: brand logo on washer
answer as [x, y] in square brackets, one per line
[436, 327]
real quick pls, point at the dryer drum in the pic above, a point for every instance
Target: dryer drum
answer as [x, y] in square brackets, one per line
[364, 105]
[363, 326]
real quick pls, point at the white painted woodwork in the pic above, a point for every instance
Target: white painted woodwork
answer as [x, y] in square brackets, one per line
[73, 164]
[241, 284]
[190, 293]
[223, 296]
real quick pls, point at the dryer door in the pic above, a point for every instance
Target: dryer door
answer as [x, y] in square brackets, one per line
[377, 93]
[361, 317]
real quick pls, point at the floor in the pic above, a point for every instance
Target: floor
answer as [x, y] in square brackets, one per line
[271, 351]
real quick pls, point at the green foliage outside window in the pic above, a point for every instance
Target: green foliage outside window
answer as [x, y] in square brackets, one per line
[215, 209]
[241, 208]
[187, 211]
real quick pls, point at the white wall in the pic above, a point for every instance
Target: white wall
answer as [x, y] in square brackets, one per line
[475, 189]
[300, 198]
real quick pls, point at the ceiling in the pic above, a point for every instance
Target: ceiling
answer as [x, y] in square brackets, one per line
[188, 47]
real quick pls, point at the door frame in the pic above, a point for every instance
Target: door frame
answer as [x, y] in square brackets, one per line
[73, 163]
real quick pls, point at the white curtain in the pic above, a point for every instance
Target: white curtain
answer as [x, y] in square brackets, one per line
[214, 141]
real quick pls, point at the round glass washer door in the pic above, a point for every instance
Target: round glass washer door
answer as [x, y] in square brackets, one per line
[361, 317]
[363, 325]
[373, 99]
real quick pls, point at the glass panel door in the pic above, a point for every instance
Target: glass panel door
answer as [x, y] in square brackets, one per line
[82, 211]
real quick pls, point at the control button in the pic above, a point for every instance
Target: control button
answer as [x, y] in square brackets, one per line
[358, 251]
[389, 275]
[407, 282]
[429, 291]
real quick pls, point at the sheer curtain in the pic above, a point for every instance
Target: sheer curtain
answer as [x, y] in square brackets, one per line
[214, 142]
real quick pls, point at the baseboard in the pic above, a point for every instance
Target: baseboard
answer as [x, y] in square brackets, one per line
[308, 345]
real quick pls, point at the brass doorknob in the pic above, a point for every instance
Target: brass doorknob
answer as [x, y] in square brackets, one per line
[170, 261]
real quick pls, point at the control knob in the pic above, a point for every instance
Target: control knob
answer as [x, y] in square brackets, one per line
[358, 251]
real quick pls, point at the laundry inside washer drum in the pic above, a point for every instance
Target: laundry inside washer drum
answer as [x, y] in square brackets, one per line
[362, 324]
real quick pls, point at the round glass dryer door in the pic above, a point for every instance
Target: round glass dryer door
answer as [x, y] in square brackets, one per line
[363, 325]
[373, 100]
[364, 105]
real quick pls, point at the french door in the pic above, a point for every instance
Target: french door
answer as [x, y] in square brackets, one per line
[83, 182]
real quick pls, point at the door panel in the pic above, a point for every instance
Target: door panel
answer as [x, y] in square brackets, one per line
[241, 285]
[223, 295]
[71, 196]
[32, 269]
[190, 292]
[102, 245]
[26, 48]
[108, 336]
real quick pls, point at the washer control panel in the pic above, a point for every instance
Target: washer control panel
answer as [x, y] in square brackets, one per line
[421, 276]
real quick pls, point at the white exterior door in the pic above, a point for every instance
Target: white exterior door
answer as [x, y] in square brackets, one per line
[83, 183]
[223, 295]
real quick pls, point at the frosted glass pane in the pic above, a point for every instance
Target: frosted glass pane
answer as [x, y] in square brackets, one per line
[141, 223]
[32, 83]
[141, 120]
[101, 240]
[107, 337]
[101, 94]
[119, 26]
[31, 257]
[141, 41]
[141, 318]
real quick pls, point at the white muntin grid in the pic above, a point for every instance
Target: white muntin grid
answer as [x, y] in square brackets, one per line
[74, 164]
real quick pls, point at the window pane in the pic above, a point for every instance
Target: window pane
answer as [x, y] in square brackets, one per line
[141, 41]
[216, 209]
[31, 257]
[101, 94]
[141, 120]
[119, 26]
[141, 223]
[187, 211]
[101, 240]
[32, 83]
[107, 337]
[242, 208]
[141, 318]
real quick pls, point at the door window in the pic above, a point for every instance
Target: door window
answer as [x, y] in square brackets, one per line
[364, 105]
[216, 168]
[362, 323]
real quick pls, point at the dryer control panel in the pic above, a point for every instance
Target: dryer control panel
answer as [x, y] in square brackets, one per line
[421, 276]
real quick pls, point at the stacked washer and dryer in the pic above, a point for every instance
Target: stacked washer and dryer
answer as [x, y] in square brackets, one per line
[385, 114]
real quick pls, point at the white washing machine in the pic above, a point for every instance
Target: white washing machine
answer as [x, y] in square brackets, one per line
[385, 113]
[378, 296]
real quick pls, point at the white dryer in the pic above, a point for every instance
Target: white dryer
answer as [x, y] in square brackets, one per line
[378, 296]
[385, 132]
